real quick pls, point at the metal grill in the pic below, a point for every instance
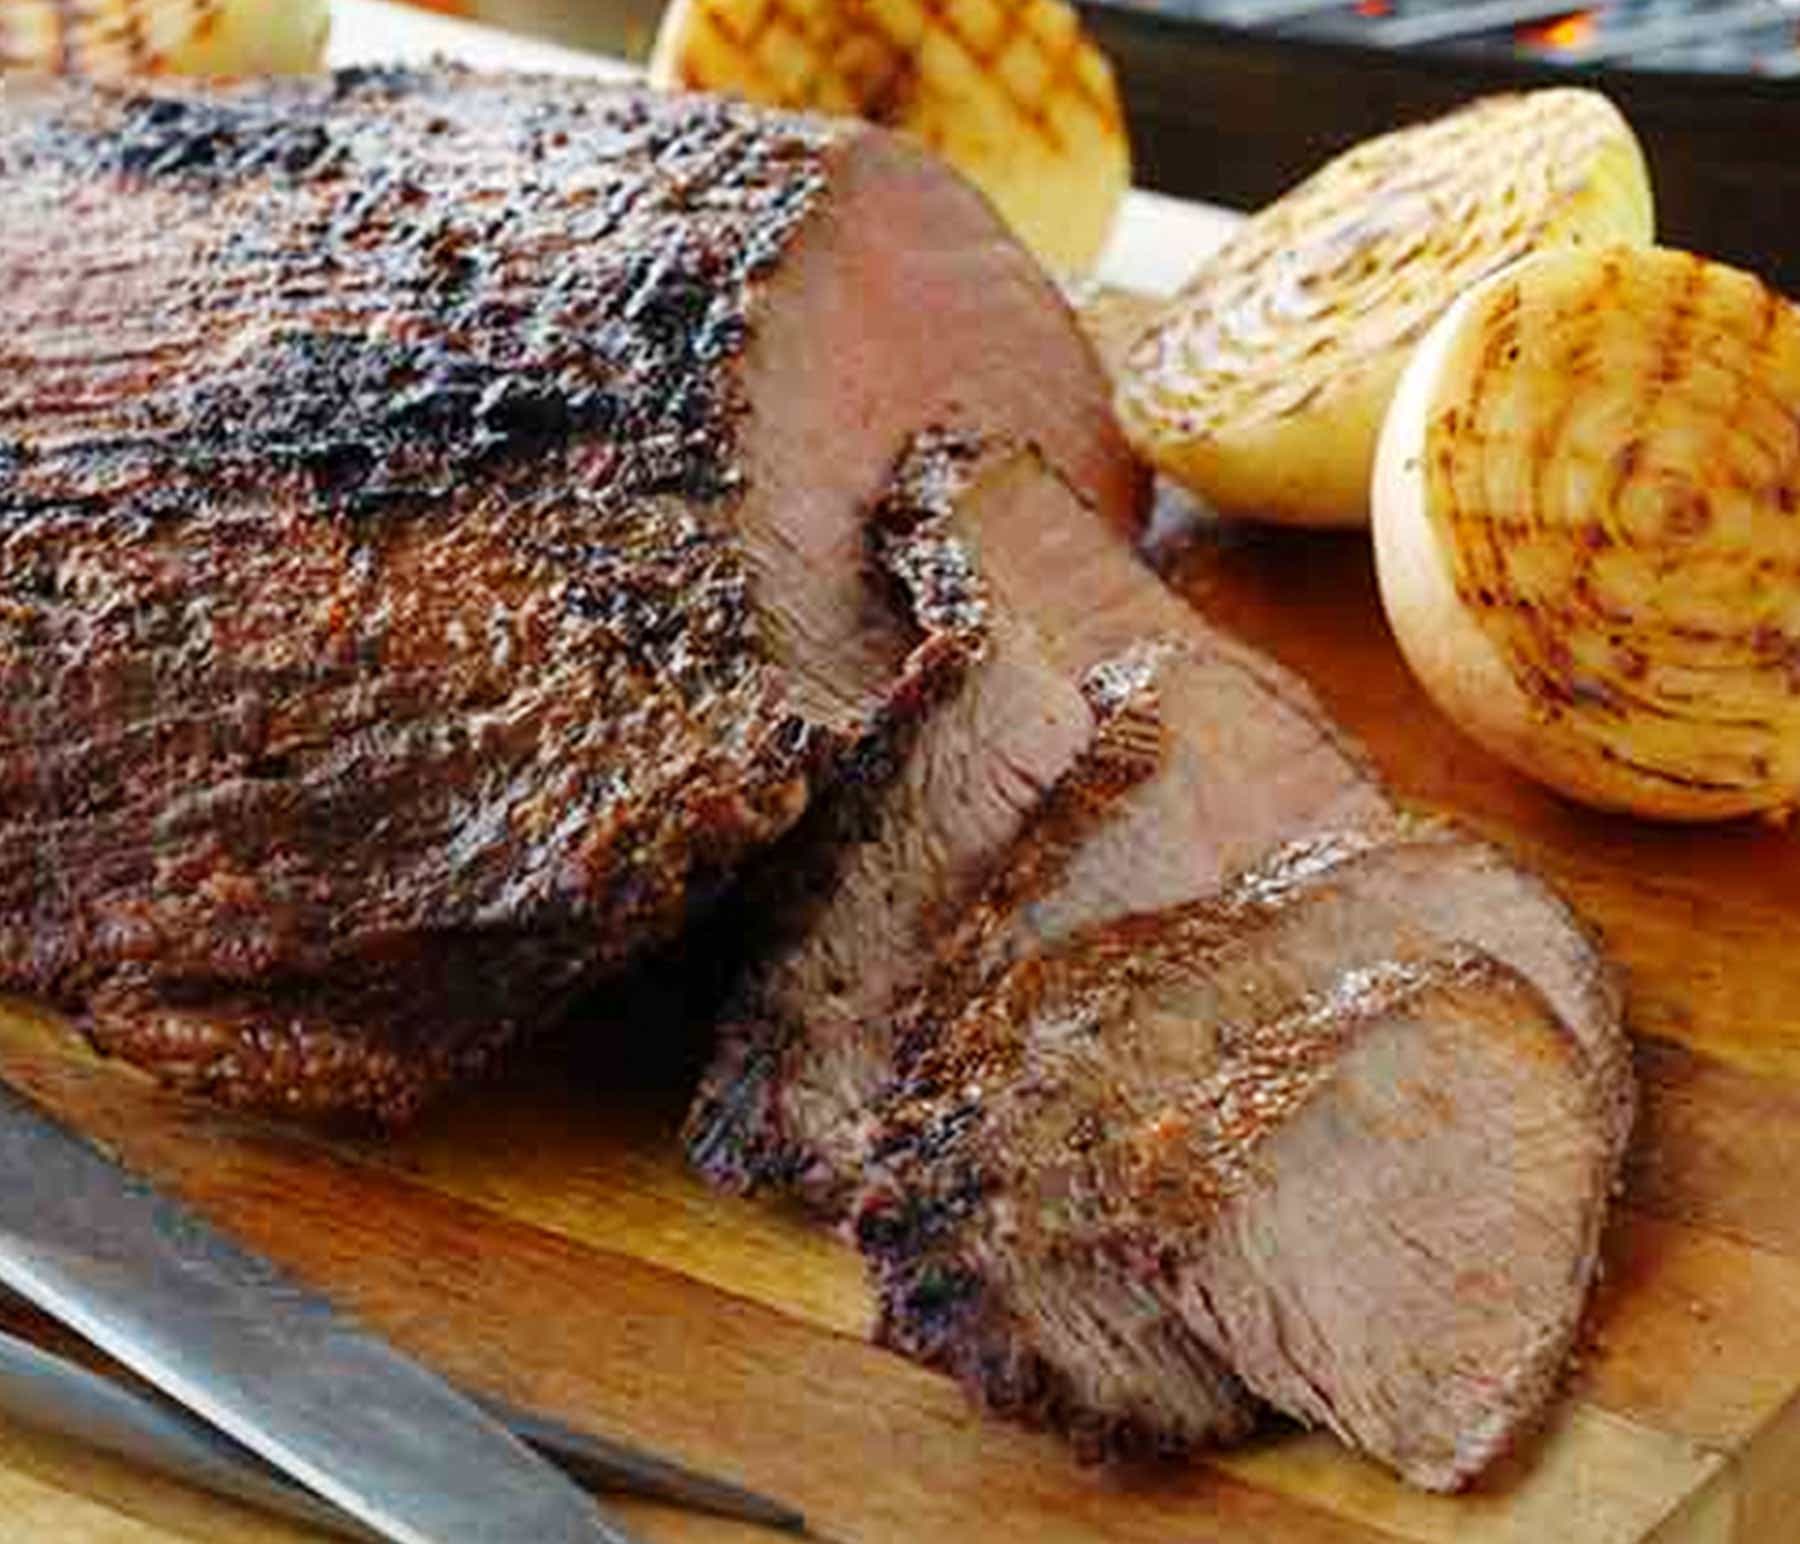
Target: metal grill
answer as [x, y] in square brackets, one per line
[1745, 37]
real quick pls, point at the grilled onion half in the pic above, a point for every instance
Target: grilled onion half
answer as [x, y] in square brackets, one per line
[1261, 385]
[1587, 527]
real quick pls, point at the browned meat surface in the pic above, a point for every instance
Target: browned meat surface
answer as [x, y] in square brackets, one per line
[1245, 760]
[911, 831]
[431, 538]
[1212, 940]
[1376, 1201]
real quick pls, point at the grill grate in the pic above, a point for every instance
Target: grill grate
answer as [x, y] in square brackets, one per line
[1749, 37]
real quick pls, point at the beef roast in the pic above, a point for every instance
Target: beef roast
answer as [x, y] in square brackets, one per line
[1147, 1038]
[1376, 1200]
[900, 852]
[1213, 986]
[431, 538]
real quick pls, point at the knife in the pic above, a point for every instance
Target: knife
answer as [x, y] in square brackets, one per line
[52, 1393]
[263, 1359]
[41, 1390]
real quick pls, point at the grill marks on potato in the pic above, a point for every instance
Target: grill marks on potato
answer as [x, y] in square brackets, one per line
[1011, 92]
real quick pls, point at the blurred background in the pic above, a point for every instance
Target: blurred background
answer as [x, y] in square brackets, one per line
[622, 27]
[1234, 100]
[1759, 38]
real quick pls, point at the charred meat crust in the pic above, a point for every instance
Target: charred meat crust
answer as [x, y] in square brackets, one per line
[324, 574]
[388, 584]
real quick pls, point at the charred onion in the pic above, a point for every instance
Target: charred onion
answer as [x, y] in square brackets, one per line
[1587, 524]
[1261, 386]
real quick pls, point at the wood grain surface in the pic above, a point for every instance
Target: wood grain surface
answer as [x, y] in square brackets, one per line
[539, 1239]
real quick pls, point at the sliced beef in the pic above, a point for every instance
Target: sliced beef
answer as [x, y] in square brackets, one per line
[1370, 1187]
[431, 538]
[1425, 886]
[1249, 765]
[1198, 907]
[900, 853]
[1249, 759]
[1410, 1258]
[871, 881]
[864, 889]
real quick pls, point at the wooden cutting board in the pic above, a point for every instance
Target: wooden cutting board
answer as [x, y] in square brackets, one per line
[538, 1238]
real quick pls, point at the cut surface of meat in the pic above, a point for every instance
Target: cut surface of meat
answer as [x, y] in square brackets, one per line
[1213, 929]
[1058, 1126]
[909, 833]
[1410, 1260]
[1424, 887]
[427, 551]
[905, 852]
[1249, 760]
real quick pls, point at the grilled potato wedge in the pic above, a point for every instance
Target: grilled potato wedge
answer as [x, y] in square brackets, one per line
[178, 37]
[1587, 528]
[1010, 92]
[1262, 384]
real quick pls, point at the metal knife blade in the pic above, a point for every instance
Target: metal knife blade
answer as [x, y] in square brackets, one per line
[261, 1357]
[43, 1391]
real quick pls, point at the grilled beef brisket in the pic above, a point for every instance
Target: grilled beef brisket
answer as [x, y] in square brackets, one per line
[449, 524]
[1215, 1018]
[430, 538]
[1376, 1200]
[803, 1049]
